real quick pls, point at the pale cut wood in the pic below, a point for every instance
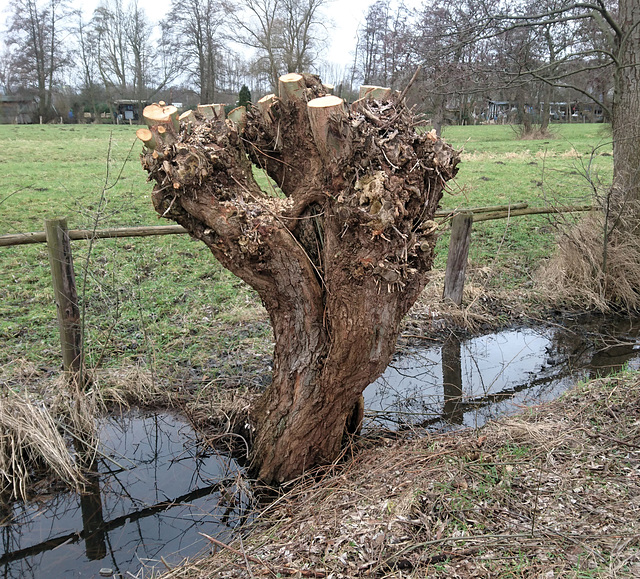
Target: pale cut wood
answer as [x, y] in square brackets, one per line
[157, 115]
[368, 91]
[212, 111]
[357, 105]
[291, 87]
[264, 106]
[239, 117]
[188, 116]
[146, 136]
[329, 88]
[457, 258]
[328, 118]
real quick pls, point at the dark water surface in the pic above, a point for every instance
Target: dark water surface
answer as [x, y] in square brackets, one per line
[464, 383]
[161, 487]
[163, 491]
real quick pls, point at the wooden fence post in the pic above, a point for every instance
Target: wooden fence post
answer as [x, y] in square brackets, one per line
[457, 258]
[64, 287]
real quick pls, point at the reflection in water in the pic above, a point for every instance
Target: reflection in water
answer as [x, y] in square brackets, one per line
[464, 383]
[92, 521]
[159, 489]
[452, 381]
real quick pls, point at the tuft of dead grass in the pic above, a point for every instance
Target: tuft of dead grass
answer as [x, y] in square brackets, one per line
[130, 386]
[211, 406]
[552, 492]
[575, 275]
[32, 444]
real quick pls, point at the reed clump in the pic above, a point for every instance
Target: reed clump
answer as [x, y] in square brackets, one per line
[31, 446]
[591, 270]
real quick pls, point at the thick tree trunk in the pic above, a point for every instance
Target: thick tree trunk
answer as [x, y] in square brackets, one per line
[324, 359]
[337, 263]
[626, 113]
[523, 118]
[545, 116]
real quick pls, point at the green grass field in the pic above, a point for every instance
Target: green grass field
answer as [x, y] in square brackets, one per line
[164, 301]
[498, 168]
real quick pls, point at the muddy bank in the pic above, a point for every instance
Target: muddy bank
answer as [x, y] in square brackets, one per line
[551, 492]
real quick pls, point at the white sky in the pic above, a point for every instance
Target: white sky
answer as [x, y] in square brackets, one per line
[343, 19]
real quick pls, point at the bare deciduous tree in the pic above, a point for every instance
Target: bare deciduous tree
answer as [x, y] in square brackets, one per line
[197, 31]
[284, 33]
[109, 27]
[8, 78]
[35, 31]
[87, 51]
[122, 37]
[300, 33]
[385, 45]
[619, 26]
[455, 58]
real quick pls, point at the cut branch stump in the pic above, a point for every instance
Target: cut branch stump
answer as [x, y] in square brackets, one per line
[375, 92]
[329, 122]
[291, 87]
[212, 111]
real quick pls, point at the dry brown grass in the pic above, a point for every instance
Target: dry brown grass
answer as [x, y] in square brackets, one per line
[575, 276]
[536, 135]
[211, 406]
[32, 445]
[130, 386]
[48, 426]
[553, 492]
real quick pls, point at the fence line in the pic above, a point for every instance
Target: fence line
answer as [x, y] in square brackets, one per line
[75, 234]
[57, 237]
[480, 214]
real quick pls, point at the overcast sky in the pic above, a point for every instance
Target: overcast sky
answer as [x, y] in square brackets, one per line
[343, 19]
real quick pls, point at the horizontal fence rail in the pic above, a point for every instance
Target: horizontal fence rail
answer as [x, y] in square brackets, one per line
[479, 214]
[75, 234]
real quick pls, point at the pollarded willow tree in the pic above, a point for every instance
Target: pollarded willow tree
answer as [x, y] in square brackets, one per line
[338, 257]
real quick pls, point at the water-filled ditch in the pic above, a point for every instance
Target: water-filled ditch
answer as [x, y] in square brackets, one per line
[465, 382]
[161, 487]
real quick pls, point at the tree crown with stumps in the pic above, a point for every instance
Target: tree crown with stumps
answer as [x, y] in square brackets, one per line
[338, 253]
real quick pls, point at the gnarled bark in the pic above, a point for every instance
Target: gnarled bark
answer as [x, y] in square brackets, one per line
[337, 262]
[625, 114]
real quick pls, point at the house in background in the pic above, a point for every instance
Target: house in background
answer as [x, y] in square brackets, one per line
[17, 110]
